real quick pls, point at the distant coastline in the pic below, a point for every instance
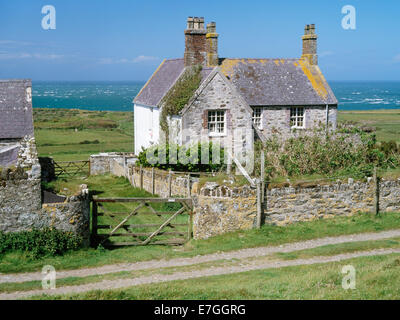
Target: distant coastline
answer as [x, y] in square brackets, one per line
[118, 95]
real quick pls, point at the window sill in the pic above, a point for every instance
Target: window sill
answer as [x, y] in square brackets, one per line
[217, 134]
[297, 128]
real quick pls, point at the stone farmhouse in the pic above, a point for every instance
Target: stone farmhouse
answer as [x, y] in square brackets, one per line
[271, 96]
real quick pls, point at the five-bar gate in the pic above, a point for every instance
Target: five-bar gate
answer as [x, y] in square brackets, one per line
[147, 221]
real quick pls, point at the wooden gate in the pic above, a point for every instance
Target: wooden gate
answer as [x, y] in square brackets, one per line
[149, 221]
[71, 168]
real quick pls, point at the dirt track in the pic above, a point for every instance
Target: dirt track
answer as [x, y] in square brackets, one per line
[178, 262]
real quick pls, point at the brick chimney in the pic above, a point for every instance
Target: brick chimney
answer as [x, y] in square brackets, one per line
[212, 45]
[195, 42]
[310, 44]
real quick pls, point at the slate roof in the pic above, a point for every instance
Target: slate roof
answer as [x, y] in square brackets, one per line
[274, 82]
[8, 156]
[16, 120]
[162, 81]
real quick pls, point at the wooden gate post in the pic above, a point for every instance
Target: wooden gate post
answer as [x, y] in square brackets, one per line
[190, 225]
[94, 223]
[376, 192]
[141, 177]
[189, 190]
[259, 204]
[152, 181]
[263, 176]
[169, 183]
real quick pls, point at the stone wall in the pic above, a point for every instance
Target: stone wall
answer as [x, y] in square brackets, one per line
[219, 94]
[21, 207]
[114, 163]
[287, 205]
[72, 215]
[220, 209]
[276, 120]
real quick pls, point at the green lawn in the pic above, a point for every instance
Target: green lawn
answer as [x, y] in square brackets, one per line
[386, 122]
[377, 277]
[67, 134]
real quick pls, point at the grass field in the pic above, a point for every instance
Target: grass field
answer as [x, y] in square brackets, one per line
[386, 122]
[67, 134]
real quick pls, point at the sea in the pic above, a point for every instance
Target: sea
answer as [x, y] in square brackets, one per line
[118, 95]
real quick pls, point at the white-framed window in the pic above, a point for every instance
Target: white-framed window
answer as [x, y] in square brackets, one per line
[216, 122]
[297, 117]
[257, 117]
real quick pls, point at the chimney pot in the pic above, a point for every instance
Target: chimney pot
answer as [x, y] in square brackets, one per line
[310, 44]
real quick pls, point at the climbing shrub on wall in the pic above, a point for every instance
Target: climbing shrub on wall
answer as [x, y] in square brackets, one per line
[346, 151]
[189, 159]
[180, 94]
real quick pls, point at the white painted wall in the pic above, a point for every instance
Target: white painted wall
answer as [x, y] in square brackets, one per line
[175, 129]
[147, 126]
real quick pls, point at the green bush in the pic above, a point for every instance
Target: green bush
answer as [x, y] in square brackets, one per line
[190, 166]
[346, 151]
[39, 243]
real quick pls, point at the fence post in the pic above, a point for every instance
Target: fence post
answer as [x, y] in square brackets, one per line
[94, 223]
[263, 176]
[141, 177]
[152, 180]
[376, 192]
[259, 204]
[189, 190]
[169, 183]
[190, 226]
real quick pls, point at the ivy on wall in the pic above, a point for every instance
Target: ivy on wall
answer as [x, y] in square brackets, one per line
[180, 94]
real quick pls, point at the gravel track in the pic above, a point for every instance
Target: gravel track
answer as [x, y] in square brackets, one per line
[213, 271]
[228, 255]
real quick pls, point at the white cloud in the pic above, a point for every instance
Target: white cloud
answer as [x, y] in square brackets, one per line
[326, 53]
[14, 43]
[396, 58]
[25, 55]
[138, 59]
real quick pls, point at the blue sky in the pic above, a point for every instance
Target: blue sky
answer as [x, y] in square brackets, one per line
[127, 39]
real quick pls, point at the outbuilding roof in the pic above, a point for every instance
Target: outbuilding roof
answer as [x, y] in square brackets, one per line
[16, 120]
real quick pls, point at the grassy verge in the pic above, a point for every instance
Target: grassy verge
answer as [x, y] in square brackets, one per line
[377, 277]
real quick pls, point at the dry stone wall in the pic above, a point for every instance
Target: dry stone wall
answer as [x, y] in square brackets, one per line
[220, 209]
